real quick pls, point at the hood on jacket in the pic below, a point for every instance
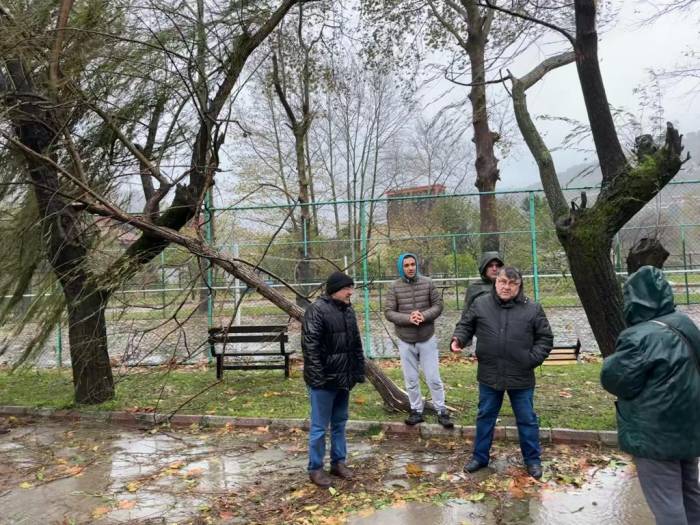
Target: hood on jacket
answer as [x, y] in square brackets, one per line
[399, 264]
[486, 258]
[647, 295]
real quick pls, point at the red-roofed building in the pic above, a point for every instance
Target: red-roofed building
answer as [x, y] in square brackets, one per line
[404, 206]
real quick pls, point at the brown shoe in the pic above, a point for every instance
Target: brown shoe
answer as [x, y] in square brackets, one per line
[320, 478]
[342, 471]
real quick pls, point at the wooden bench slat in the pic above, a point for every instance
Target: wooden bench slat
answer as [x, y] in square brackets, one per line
[564, 354]
[236, 354]
[248, 329]
[280, 366]
[265, 338]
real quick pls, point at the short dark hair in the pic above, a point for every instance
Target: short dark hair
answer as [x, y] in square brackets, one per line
[511, 273]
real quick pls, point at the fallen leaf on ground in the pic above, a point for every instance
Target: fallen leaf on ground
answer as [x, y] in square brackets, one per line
[194, 472]
[414, 470]
[126, 504]
[99, 512]
[25, 485]
[565, 394]
[477, 496]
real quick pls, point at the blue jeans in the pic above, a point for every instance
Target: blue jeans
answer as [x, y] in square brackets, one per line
[490, 401]
[328, 407]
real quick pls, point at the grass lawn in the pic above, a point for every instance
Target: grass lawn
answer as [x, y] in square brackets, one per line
[567, 396]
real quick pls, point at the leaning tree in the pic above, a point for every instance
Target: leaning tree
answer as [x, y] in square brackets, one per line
[74, 100]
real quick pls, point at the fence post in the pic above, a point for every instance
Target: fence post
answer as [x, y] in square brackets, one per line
[455, 269]
[365, 279]
[58, 345]
[208, 217]
[533, 239]
[685, 266]
[162, 279]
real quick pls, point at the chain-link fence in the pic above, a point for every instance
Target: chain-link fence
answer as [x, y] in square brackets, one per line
[295, 246]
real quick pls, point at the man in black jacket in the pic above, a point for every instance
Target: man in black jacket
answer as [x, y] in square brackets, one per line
[333, 364]
[513, 337]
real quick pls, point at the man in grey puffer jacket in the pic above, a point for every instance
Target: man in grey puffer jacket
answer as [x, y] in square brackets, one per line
[412, 304]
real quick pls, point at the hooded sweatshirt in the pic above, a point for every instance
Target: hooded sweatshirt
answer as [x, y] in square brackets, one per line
[655, 373]
[485, 285]
[407, 295]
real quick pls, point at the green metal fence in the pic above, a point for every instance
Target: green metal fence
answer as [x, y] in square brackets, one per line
[365, 236]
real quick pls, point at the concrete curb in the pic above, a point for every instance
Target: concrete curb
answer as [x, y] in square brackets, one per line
[425, 430]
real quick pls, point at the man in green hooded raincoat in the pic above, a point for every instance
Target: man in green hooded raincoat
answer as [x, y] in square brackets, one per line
[655, 374]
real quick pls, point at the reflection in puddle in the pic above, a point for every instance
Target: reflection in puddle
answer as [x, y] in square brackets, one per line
[612, 497]
[135, 475]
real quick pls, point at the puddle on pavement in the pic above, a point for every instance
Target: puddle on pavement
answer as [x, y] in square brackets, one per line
[611, 497]
[133, 475]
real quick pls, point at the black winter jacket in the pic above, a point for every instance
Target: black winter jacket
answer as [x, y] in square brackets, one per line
[332, 346]
[512, 339]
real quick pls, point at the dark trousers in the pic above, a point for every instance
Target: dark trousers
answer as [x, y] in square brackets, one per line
[490, 401]
[671, 489]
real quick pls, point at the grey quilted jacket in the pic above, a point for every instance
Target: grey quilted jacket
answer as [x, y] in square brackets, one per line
[404, 297]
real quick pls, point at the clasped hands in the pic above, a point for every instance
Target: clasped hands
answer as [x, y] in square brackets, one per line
[416, 317]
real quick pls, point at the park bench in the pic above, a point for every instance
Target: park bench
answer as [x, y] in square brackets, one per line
[564, 354]
[223, 339]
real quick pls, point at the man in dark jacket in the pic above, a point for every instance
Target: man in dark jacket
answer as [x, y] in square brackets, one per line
[655, 374]
[513, 338]
[333, 364]
[412, 304]
[489, 267]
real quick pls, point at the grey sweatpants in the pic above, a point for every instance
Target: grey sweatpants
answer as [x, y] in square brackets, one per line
[425, 355]
[671, 489]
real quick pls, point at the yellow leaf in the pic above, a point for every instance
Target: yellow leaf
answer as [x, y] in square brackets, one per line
[99, 512]
[359, 400]
[126, 504]
[25, 485]
[176, 465]
[478, 496]
[133, 486]
[378, 437]
[333, 491]
[414, 470]
[309, 508]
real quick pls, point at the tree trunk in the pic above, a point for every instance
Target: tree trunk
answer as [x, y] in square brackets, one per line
[66, 245]
[486, 163]
[598, 288]
[87, 330]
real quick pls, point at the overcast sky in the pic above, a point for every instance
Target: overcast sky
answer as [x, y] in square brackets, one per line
[627, 51]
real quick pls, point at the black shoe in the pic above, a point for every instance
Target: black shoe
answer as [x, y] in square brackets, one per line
[473, 466]
[535, 470]
[414, 418]
[444, 419]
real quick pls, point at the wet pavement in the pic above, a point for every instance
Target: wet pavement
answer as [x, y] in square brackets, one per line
[57, 472]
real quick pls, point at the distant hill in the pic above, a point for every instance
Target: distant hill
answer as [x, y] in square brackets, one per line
[582, 175]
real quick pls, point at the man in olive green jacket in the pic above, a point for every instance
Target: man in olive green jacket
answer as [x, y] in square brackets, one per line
[655, 374]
